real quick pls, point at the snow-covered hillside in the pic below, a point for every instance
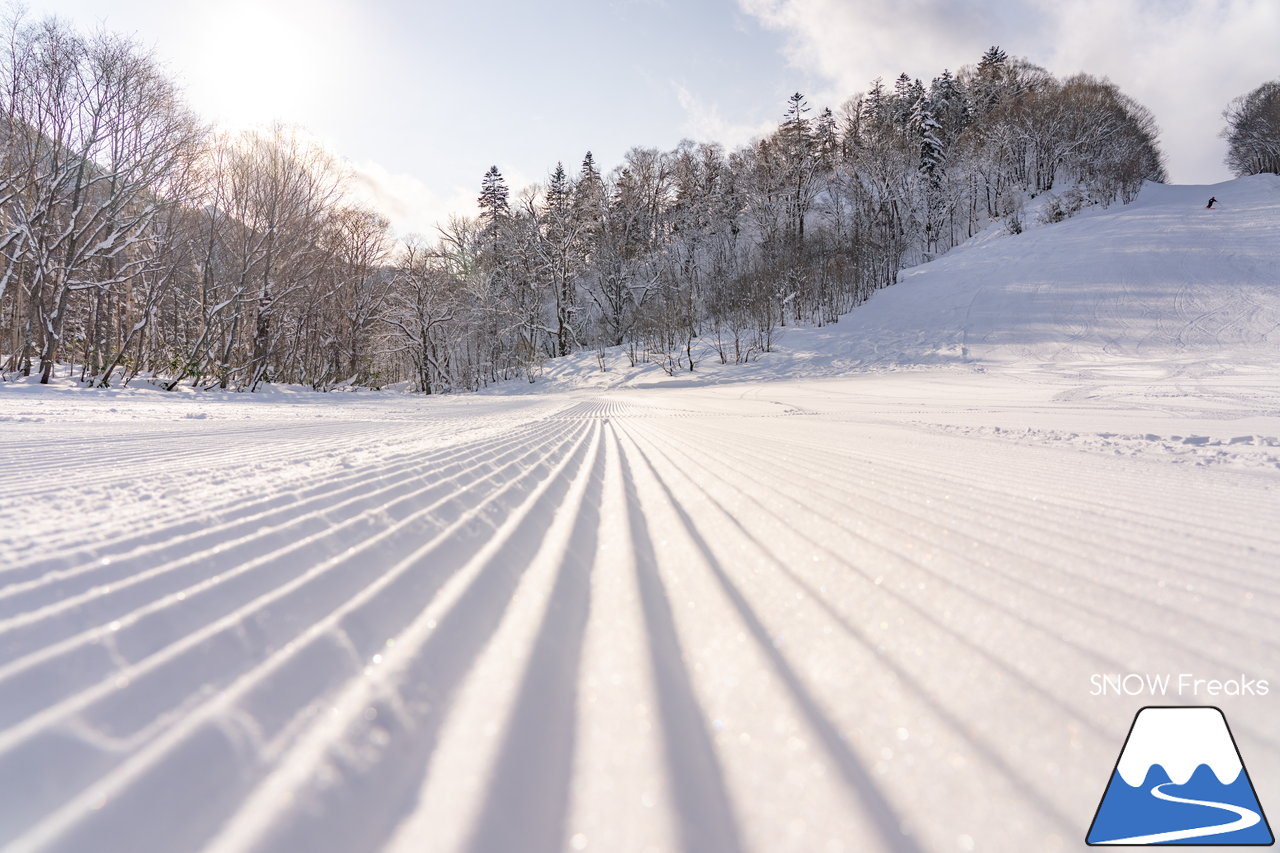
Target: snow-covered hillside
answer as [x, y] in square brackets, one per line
[1156, 289]
[852, 596]
[1160, 282]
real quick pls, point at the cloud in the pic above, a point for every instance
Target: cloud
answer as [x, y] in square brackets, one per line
[850, 44]
[408, 203]
[1184, 60]
[703, 122]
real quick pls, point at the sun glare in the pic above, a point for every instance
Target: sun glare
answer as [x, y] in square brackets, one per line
[260, 63]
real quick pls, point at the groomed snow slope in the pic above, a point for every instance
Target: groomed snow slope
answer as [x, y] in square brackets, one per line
[802, 611]
[1161, 280]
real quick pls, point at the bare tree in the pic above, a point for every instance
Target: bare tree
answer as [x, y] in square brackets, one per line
[422, 303]
[1253, 131]
[96, 139]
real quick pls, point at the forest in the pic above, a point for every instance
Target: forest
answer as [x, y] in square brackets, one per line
[136, 241]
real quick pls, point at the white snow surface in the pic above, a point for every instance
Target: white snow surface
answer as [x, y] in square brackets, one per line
[848, 597]
[1179, 740]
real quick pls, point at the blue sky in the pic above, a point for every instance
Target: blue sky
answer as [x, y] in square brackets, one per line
[422, 97]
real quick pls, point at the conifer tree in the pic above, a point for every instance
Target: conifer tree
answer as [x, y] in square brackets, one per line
[494, 207]
[875, 106]
[928, 133]
[825, 139]
[948, 105]
[992, 70]
[562, 255]
[800, 162]
[493, 197]
[795, 125]
[559, 192]
[993, 59]
[589, 195]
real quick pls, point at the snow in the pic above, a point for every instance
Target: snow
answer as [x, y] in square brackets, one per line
[847, 597]
[1179, 740]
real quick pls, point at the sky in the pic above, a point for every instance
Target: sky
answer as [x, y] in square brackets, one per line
[420, 98]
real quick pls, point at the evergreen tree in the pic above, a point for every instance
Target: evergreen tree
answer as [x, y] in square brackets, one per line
[589, 194]
[562, 258]
[948, 104]
[988, 86]
[798, 151]
[875, 106]
[928, 133]
[993, 59]
[494, 209]
[589, 171]
[825, 139]
[493, 197]
[851, 133]
[559, 192]
[903, 100]
[795, 127]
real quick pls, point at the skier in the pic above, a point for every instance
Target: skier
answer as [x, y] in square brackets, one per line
[1210, 204]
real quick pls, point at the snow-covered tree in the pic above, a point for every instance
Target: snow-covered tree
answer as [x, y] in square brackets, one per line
[1253, 131]
[94, 139]
[132, 240]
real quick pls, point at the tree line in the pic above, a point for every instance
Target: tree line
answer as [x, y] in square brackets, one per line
[133, 238]
[1253, 131]
[699, 252]
[136, 240]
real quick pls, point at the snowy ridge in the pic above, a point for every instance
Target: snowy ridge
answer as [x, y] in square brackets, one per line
[1179, 740]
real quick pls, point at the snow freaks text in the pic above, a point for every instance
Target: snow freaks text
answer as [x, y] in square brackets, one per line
[1174, 684]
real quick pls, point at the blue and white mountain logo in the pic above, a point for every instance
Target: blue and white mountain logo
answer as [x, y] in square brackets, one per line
[1180, 780]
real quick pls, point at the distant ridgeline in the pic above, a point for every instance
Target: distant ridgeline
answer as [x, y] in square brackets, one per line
[133, 242]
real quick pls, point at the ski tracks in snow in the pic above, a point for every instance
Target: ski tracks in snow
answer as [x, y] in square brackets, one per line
[616, 627]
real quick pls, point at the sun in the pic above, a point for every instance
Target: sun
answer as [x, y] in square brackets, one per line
[260, 62]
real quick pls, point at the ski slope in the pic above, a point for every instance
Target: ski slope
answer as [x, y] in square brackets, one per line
[848, 597]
